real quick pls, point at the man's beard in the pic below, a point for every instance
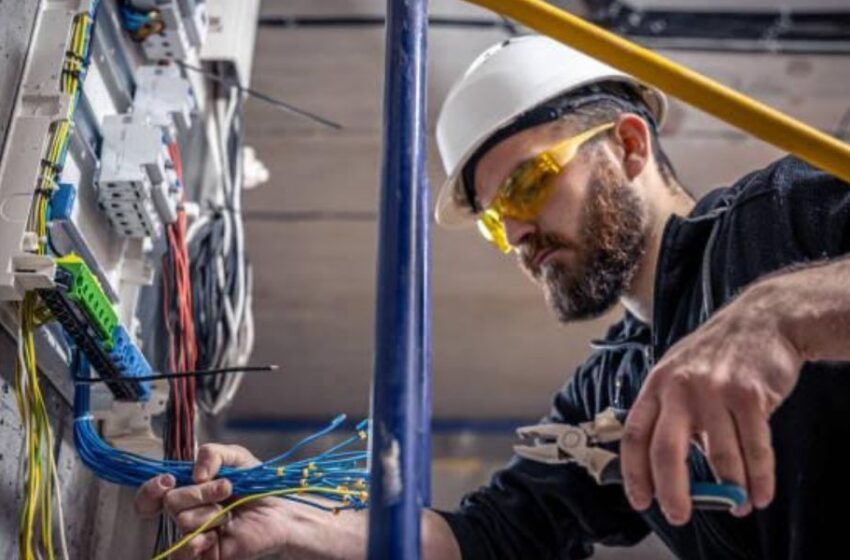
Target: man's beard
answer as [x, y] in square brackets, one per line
[611, 243]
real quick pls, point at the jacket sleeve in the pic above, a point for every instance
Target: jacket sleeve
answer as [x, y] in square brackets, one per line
[533, 510]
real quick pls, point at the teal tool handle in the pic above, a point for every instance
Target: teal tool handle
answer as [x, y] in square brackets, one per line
[717, 496]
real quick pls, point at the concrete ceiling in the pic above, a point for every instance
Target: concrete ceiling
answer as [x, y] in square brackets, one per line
[739, 5]
[497, 351]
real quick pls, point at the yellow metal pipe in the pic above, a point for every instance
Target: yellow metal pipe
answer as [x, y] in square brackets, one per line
[737, 109]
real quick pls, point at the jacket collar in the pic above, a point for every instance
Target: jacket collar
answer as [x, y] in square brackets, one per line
[682, 265]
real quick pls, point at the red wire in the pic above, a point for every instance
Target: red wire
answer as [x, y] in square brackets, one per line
[182, 345]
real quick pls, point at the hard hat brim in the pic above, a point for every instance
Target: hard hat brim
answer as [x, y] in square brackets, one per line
[447, 211]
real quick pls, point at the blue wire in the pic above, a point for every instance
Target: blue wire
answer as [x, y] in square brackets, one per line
[330, 469]
[131, 19]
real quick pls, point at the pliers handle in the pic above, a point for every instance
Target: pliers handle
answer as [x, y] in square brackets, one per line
[556, 443]
[717, 495]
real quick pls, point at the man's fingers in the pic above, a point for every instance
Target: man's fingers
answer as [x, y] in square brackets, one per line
[634, 451]
[668, 454]
[214, 552]
[149, 497]
[212, 456]
[197, 546]
[724, 450]
[198, 495]
[190, 519]
[754, 431]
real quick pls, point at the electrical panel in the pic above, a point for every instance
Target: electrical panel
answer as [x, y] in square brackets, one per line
[92, 193]
[122, 254]
[123, 274]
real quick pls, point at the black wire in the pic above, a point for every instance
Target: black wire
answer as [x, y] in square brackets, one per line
[205, 248]
[209, 289]
[177, 375]
[202, 254]
[230, 82]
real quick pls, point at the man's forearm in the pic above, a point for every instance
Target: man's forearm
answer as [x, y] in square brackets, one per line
[316, 535]
[810, 307]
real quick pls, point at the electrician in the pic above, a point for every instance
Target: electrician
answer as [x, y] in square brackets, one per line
[734, 337]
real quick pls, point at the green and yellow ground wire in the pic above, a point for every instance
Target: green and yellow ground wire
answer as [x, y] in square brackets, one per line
[38, 437]
[41, 480]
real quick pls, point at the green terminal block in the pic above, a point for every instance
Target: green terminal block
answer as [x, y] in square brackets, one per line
[86, 292]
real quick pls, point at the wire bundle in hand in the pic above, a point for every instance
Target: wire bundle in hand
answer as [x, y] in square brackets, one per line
[338, 474]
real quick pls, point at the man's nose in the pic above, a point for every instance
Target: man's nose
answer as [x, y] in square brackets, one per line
[516, 231]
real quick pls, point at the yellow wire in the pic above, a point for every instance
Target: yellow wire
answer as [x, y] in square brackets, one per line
[41, 475]
[40, 468]
[247, 499]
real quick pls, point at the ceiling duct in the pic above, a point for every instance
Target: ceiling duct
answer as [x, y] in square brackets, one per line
[787, 26]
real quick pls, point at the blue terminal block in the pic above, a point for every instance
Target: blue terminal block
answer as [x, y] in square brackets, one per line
[62, 202]
[129, 360]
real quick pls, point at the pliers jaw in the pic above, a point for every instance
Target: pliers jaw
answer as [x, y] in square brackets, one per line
[549, 439]
[562, 443]
[565, 443]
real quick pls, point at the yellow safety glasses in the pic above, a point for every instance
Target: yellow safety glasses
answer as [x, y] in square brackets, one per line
[526, 190]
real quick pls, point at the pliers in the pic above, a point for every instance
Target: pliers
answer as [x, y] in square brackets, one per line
[565, 443]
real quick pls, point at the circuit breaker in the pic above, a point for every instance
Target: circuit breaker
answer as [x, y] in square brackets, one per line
[136, 184]
[165, 98]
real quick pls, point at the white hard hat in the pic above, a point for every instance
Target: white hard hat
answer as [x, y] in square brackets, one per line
[506, 81]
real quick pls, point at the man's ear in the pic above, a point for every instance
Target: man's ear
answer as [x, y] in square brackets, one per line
[634, 142]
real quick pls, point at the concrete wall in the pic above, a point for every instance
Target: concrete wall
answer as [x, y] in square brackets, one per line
[16, 23]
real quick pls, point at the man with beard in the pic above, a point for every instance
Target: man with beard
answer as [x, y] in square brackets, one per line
[732, 304]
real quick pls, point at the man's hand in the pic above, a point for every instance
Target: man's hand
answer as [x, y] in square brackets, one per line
[255, 529]
[718, 386]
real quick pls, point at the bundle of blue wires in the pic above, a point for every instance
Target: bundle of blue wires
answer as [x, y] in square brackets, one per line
[342, 473]
[132, 19]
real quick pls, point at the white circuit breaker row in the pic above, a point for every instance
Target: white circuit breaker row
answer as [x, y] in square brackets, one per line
[133, 176]
[138, 185]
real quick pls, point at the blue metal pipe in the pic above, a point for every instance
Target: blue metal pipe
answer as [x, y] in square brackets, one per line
[400, 319]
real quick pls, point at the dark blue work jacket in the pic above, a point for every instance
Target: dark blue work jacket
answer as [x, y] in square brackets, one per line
[786, 214]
